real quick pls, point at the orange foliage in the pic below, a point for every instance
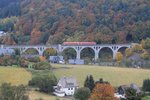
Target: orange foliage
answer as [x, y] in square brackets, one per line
[42, 58]
[122, 36]
[119, 56]
[35, 35]
[103, 92]
[8, 40]
[107, 23]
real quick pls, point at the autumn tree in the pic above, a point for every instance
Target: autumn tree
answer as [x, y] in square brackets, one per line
[137, 48]
[128, 52]
[145, 55]
[49, 52]
[119, 56]
[102, 92]
[146, 43]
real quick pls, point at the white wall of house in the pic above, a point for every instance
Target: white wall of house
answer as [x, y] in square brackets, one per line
[69, 91]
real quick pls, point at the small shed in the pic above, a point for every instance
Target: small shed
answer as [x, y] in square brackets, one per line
[55, 59]
[76, 61]
[135, 87]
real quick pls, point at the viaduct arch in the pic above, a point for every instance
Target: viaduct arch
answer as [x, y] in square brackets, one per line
[78, 48]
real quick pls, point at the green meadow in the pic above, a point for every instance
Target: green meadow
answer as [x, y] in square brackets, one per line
[15, 76]
[115, 75]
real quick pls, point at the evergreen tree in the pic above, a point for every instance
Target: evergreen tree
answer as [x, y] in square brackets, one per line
[146, 85]
[89, 82]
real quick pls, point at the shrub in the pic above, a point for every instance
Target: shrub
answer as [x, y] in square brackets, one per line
[128, 63]
[82, 93]
[131, 94]
[146, 64]
[34, 59]
[45, 83]
[8, 92]
[87, 60]
[42, 65]
[23, 63]
[7, 60]
[146, 98]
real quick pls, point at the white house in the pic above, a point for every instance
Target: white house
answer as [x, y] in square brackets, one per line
[65, 87]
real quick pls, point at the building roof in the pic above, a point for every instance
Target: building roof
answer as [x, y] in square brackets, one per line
[135, 87]
[67, 82]
[123, 88]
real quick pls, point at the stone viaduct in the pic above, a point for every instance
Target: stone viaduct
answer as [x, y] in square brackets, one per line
[78, 48]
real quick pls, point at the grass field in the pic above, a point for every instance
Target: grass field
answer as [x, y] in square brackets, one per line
[15, 76]
[34, 95]
[115, 75]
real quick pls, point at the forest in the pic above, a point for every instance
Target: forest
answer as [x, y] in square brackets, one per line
[58, 21]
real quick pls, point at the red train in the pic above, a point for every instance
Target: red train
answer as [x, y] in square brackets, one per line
[79, 43]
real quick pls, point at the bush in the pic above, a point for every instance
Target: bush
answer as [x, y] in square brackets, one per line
[146, 85]
[146, 98]
[146, 64]
[8, 61]
[128, 63]
[42, 66]
[45, 83]
[87, 61]
[34, 59]
[23, 63]
[8, 92]
[131, 94]
[82, 93]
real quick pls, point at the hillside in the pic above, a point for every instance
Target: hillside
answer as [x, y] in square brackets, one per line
[56, 21]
